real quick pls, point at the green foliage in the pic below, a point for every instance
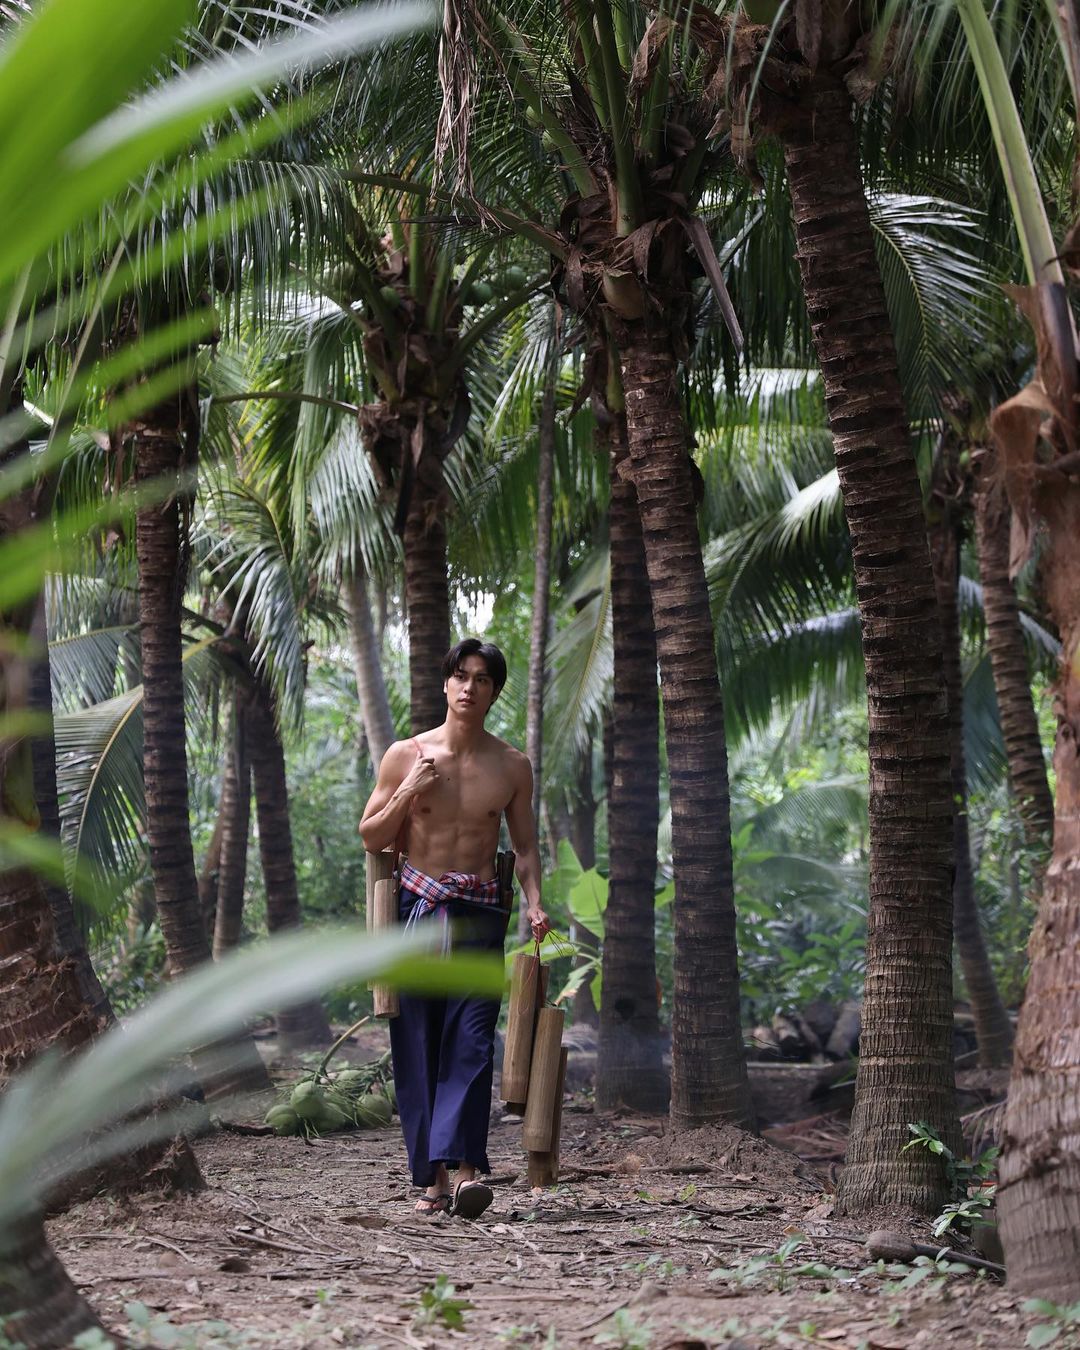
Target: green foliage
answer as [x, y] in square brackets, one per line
[131, 969]
[440, 1306]
[625, 1332]
[1061, 1328]
[156, 1330]
[967, 1179]
[777, 1269]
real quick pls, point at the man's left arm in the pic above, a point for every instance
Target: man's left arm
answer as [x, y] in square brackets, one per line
[522, 826]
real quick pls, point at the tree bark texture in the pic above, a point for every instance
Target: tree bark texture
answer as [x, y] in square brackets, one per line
[40, 1308]
[159, 456]
[1008, 657]
[370, 682]
[1039, 1195]
[709, 1078]
[209, 874]
[427, 599]
[582, 828]
[993, 1030]
[235, 831]
[905, 1065]
[305, 1024]
[630, 1068]
[41, 1001]
[538, 631]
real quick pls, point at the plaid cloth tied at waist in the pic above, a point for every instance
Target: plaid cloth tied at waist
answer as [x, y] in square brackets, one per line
[439, 893]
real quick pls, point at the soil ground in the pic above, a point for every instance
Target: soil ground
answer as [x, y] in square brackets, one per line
[647, 1241]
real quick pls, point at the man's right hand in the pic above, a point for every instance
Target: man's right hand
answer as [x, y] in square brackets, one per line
[420, 778]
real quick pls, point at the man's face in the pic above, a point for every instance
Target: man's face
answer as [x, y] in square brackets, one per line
[470, 690]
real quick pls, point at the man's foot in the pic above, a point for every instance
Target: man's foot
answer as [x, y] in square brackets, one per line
[433, 1204]
[471, 1198]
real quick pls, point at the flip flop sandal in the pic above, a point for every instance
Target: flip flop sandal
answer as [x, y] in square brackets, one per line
[471, 1198]
[429, 1205]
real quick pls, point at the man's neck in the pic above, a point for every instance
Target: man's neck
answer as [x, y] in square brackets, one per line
[459, 735]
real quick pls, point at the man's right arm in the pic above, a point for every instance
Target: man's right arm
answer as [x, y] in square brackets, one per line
[403, 775]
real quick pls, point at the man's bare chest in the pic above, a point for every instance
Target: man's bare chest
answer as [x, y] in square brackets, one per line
[465, 793]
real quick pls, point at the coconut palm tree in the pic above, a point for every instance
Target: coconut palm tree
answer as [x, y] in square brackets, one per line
[810, 65]
[235, 818]
[1036, 433]
[1012, 681]
[993, 1029]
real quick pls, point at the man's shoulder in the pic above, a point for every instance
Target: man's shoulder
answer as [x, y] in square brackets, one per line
[508, 754]
[401, 752]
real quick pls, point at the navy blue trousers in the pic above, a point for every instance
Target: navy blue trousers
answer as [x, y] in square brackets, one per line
[443, 1051]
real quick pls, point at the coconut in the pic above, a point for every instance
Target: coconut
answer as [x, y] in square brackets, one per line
[283, 1119]
[515, 278]
[479, 293]
[307, 1100]
[373, 1111]
[390, 1088]
[351, 1080]
[391, 296]
[331, 1118]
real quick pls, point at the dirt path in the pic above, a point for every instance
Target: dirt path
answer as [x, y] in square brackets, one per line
[296, 1245]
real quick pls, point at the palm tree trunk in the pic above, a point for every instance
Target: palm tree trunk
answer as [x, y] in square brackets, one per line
[236, 826]
[370, 681]
[210, 872]
[582, 833]
[1039, 1195]
[905, 1066]
[305, 1024]
[709, 1078]
[630, 1069]
[158, 459]
[159, 455]
[427, 597]
[1008, 657]
[40, 1308]
[541, 604]
[993, 1029]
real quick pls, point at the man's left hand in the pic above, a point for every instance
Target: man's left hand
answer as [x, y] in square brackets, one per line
[538, 922]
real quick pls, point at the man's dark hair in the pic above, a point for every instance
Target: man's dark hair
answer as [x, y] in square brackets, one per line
[493, 659]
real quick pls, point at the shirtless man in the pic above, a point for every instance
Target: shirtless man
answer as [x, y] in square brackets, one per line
[447, 790]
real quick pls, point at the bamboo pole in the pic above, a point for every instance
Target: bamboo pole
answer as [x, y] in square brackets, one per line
[543, 1081]
[381, 896]
[528, 980]
[544, 1167]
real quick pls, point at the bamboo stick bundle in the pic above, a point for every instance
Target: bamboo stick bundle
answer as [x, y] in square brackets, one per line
[536, 1134]
[528, 986]
[382, 904]
[544, 1167]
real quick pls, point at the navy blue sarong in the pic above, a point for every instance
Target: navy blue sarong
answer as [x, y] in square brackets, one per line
[443, 1048]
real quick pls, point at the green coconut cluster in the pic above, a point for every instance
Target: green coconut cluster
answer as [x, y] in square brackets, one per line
[322, 1103]
[483, 292]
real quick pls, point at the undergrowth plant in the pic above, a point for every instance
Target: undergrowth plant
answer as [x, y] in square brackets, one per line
[967, 1178]
[440, 1306]
[1062, 1327]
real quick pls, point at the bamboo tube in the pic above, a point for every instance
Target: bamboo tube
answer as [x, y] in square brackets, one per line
[381, 894]
[527, 981]
[543, 1081]
[556, 1119]
[544, 1167]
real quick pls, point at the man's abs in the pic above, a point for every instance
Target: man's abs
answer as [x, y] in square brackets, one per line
[454, 826]
[436, 848]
